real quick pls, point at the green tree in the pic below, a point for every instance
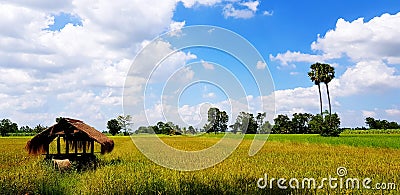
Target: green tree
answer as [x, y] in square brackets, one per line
[372, 123]
[213, 118]
[393, 125]
[384, 124]
[113, 126]
[25, 129]
[316, 124]
[156, 129]
[39, 128]
[191, 130]
[260, 120]
[265, 128]
[380, 124]
[299, 123]
[143, 129]
[223, 121]
[316, 76]
[217, 121]
[245, 123]
[125, 122]
[165, 128]
[6, 126]
[282, 124]
[331, 125]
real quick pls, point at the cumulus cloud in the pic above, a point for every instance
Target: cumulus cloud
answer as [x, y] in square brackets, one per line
[261, 65]
[207, 65]
[246, 10]
[191, 3]
[268, 13]
[290, 57]
[371, 46]
[78, 70]
[231, 11]
[359, 40]
[393, 112]
[368, 113]
[175, 28]
[251, 5]
[368, 77]
[209, 95]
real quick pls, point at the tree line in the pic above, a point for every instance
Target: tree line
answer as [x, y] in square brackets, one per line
[8, 127]
[245, 123]
[381, 124]
[248, 123]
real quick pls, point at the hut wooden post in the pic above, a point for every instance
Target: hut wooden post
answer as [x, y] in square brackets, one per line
[92, 147]
[66, 145]
[84, 147]
[76, 146]
[46, 148]
[58, 145]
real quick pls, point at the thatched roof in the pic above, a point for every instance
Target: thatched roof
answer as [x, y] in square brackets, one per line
[72, 130]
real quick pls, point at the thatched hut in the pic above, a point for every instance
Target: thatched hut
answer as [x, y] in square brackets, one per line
[77, 136]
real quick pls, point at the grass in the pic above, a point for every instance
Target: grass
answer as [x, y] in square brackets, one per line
[127, 171]
[373, 131]
[357, 140]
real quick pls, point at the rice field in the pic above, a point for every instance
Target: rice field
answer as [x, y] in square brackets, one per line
[127, 171]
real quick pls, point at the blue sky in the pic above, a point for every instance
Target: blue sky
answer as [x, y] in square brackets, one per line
[71, 58]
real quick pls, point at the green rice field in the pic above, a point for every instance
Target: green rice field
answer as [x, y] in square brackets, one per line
[127, 171]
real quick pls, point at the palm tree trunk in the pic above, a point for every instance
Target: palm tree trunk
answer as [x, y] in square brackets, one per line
[320, 97]
[329, 99]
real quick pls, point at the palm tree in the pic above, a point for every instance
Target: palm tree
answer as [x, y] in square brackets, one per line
[315, 75]
[328, 73]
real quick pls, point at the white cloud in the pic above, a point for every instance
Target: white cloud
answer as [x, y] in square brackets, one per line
[175, 28]
[230, 11]
[393, 112]
[290, 101]
[174, 62]
[44, 5]
[359, 40]
[231, 8]
[209, 95]
[370, 45]
[368, 113]
[367, 77]
[11, 77]
[268, 13]
[289, 57]
[261, 65]
[251, 5]
[207, 65]
[191, 3]
[78, 71]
